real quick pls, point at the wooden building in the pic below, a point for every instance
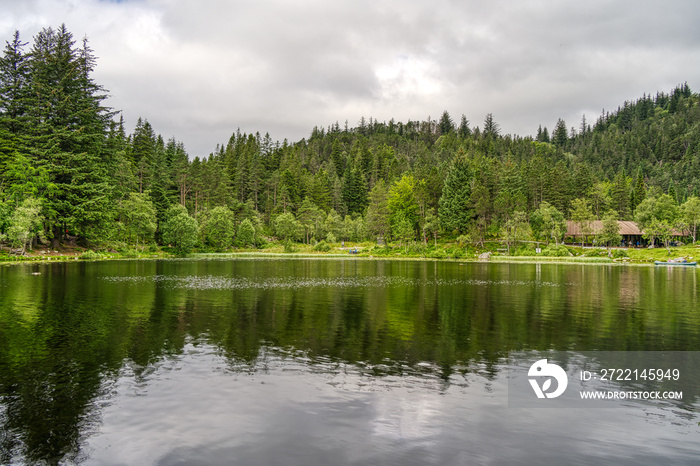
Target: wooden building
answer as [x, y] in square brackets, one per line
[631, 234]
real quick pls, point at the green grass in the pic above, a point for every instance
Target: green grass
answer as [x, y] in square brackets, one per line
[661, 254]
[445, 250]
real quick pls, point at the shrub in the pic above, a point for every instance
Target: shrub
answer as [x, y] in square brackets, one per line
[596, 252]
[556, 251]
[524, 250]
[322, 246]
[437, 254]
[90, 256]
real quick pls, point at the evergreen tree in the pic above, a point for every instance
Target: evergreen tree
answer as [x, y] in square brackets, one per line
[456, 211]
[14, 86]
[354, 190]
[446, 124]
[639, 191]
[559, 136]
[620, 197]
[491, 128]
[464, 130]
[68, 130]
[378, 213]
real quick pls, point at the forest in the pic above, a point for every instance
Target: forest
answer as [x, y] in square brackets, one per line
[71, 173]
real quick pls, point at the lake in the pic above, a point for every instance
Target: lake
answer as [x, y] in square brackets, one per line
[330, 361]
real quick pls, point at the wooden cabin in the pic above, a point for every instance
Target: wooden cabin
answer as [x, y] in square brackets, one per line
[632, 236]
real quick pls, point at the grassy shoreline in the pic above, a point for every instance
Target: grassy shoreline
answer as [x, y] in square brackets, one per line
[418, 251]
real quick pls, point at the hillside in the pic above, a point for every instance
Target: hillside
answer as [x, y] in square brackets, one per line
[68, 168]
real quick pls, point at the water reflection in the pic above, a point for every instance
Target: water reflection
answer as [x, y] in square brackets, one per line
[135, 351]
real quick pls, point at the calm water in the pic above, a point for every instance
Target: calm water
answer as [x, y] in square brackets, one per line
[266, 362]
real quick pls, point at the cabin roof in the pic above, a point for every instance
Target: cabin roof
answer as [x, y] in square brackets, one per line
[627, 228]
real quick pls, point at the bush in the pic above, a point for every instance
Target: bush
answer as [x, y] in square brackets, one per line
[289, 246]
[524, 250]
[437, 254]
[556, 251]
[322, 247]
[596, 252]
[90, 256]
[417, 248]
[618, 253]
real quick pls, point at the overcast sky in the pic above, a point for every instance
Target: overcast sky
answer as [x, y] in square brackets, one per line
[197, 70]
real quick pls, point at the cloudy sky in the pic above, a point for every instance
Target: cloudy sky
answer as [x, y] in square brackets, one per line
[197, 70]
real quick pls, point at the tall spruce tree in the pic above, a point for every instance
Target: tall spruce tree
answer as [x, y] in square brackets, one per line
[456, 210]
[68, 131]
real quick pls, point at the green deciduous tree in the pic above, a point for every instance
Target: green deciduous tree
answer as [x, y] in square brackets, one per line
[403, 230]
[402, 202]
[548, 223]
[582, 215]
[25, 224]
[516, 228]
[310, 217]
[610, 232]
[180, 230]
[218, 227]
[138, 215]
[657, 217]
[286, 226]
[246, 234]
[690, 213]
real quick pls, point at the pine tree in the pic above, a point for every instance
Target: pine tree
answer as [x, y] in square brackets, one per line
[354, 190]
[456, 210]
[378, 213]
[672, 191]
[464, 130]
[14, 83]
[143, 147]
[559, 136]
[446, 124]
[491, 128]
[639, 191]
[68, 132]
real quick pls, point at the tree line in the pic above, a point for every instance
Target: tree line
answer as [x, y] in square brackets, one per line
[69, 172]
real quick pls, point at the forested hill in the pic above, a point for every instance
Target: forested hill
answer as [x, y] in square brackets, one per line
[68, 167]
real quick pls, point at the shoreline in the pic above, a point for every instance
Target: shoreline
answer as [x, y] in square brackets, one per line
[252, 254]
